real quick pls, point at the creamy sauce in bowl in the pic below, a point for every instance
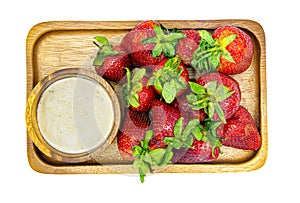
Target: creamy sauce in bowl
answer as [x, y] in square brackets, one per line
[75, 115]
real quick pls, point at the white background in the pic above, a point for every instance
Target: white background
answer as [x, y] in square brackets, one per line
[278, 179]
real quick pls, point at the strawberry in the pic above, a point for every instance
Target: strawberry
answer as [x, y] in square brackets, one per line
[148, 43]
[218, 94]
[228, 50]
[240, 131]
[170, 78]
[134, 127]
[188, 113]
[241, 49]
[164, 117]
[110, 61]
[187, 46]
[125, 144]
[136, 94]
[196, 143]
[200, 152]
[141, 54]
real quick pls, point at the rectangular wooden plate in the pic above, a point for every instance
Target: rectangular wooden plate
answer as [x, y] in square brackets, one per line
[58, 45]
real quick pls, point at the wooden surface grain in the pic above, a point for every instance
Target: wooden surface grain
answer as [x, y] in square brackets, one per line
[53, 46]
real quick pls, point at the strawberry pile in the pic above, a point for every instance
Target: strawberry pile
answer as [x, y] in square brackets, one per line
[169, 116]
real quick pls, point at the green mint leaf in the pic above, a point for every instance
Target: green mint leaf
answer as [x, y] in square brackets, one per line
[226, 55]
[196, 88]
[169, 92]
[138, 75]
[220, 112]
[178, 128]
[227, 40]
[101, 40]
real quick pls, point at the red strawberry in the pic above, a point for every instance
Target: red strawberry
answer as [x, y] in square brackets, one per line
[228, 50]
[241, 50]
[187, 46]
[148, 43]
[164, 117]
[141, 54]
[196, 143]
[137, 95]
[170, 78]
[110, 61]
[133, 130]
[125, 144]
[201, 152]
[187, 112]
[231, 104]
[218, 94]
[240, 131]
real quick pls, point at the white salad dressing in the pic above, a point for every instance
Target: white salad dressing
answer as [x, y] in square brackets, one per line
[75, 115]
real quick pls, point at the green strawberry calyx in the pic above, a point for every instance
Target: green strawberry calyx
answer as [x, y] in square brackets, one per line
[165, 41]
[208, 98]
[168, 80]
[146, 158]
[104, 51]
[207, 55]
[210, 136]
[183, 138]
[194, 130]
[133, 86]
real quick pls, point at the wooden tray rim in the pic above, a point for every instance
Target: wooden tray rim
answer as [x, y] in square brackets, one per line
[37, 164]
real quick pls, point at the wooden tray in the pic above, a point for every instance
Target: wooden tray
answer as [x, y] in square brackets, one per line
[53, 46]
